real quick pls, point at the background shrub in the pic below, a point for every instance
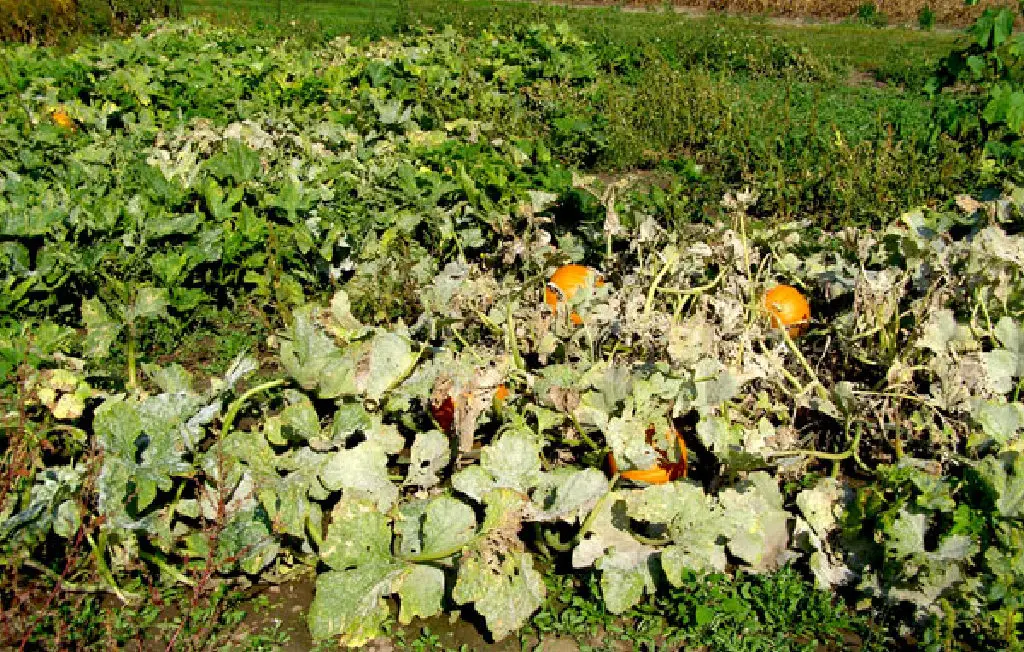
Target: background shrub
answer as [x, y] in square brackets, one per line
[51, 21]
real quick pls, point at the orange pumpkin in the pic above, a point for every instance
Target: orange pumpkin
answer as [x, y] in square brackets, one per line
[566, 280]
[663, 472]
[501, 394]
[62, 119]
[788, 308]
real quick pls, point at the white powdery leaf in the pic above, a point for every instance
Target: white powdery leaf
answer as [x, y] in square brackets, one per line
[1000, 422]
[821, 505]
[389, 359]
[942, 332]
[907, 534]
[420, 591]
[363, 470]
[715, 384]
[760, 526]
[358, 535]
[350, 604]
[513, 461]
[473, 481]
[240, 367]
[434, 527]
[429, 455]
[623, 588]
[566, 494]
[607, 542]
[628, 440]
[505, 593]
[827, 573]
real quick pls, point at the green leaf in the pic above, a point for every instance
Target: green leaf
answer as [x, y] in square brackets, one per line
[150, 302]
[1002, 26]
[246, 540]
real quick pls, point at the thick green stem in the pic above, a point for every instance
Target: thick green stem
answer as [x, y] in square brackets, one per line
[167, 568]
[552, 540]
[98, 552]
[130, 354]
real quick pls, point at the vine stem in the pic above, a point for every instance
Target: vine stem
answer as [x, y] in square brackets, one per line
[815, 381]
[700, 289]
[668, 267]
[232, 412]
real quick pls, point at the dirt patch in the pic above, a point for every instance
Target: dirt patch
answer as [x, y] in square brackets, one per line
[951, 13]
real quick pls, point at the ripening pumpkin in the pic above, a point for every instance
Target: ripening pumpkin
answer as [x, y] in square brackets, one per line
[564, 283]
[661, 473]
[61, 118]
[789, 308]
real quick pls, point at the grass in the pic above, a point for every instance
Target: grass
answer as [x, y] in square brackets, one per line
[891, 52]
[780, 611]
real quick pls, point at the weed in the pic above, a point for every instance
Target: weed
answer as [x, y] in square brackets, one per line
[926, 18]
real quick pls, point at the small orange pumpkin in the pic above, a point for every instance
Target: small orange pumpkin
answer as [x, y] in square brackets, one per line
[61, 118]
[501, 394]
[566, 280]
[789, 308]
[663, 472]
